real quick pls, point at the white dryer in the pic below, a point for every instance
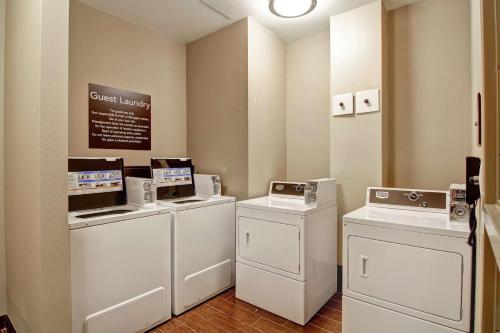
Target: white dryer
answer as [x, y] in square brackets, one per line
[120, 269]
[406, 265]
[287, 249]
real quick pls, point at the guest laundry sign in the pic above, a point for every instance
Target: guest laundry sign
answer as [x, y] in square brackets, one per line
[119, 119]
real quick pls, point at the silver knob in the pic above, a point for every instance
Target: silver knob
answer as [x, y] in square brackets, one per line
[413, 196]
[461, 212]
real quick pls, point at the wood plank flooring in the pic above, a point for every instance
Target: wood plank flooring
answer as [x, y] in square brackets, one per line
[225, 313]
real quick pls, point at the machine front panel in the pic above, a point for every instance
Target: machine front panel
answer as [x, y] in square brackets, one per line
[272, 244]
[422, 279]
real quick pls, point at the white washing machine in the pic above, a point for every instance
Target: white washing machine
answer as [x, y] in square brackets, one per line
[287, 249]
[203, 255]
[120, 269]
[407, 266]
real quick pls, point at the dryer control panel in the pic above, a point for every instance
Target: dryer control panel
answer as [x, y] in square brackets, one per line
[313, 192]
[411, 199]
[287, 190]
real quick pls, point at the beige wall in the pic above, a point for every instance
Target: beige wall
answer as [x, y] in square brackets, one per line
[3, 295]
[110, 51]
[266, 109]
[475, 67]
[308, 107]
[217, 103]
[236, 94]
[430, 123]
[356, 141]
[36, 109]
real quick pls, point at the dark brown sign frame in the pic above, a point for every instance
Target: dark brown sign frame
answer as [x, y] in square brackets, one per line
[118, 119]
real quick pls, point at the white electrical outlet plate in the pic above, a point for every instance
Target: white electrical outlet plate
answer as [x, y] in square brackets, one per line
[343, 105]
[367, 101]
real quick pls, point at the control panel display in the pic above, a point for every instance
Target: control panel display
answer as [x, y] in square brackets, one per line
[95, 183]
[91, 182]
[172, 176]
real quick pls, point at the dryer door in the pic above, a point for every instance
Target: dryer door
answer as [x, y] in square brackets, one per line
[422, 279]
[269, 243]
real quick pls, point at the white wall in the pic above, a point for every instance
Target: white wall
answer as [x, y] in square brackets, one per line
[36, 152]
[308, 107]
[3, 295]
[357, 142]
[107, 50]
[266, 109]
[430, 89]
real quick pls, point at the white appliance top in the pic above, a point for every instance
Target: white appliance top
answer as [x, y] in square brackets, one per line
[75, 222]
[282, 205]
[193, 202]
[418, 221]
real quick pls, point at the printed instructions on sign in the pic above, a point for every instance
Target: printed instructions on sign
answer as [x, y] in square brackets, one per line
[120, 127]
[172, 176]
[91, 182]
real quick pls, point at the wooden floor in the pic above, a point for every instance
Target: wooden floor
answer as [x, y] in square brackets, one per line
[225, 313]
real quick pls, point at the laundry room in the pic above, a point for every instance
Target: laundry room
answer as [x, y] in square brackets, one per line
[249, 166]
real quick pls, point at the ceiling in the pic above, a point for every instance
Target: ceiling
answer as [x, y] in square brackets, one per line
[188, 20]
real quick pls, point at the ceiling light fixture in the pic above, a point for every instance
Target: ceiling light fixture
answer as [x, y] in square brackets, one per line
[291, 8]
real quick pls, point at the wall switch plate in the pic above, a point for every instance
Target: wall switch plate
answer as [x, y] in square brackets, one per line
[343, 105]
[368, 101]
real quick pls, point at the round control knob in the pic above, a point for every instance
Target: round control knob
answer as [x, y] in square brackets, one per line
[298, 188]
[413, 196]
[460, 211]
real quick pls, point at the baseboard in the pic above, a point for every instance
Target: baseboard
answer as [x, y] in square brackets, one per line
[6, 324]
[339, 278]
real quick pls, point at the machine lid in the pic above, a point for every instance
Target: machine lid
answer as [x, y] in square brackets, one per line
[409, 199]
[194, 202]
[183, 202]
[95, 217]
[282, 205]
[408, 220]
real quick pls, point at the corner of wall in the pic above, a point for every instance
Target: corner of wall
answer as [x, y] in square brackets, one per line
[308, 107]
[266, 108]
[384, 94]
[217, 94]
[3, 294]
[36, 133]
[357, 154]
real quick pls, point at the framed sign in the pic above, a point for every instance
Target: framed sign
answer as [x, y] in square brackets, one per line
[119, 119]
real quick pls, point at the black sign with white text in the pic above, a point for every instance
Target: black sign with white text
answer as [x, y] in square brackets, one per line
[119, 119]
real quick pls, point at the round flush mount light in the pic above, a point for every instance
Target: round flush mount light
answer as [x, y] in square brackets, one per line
[291, 8]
